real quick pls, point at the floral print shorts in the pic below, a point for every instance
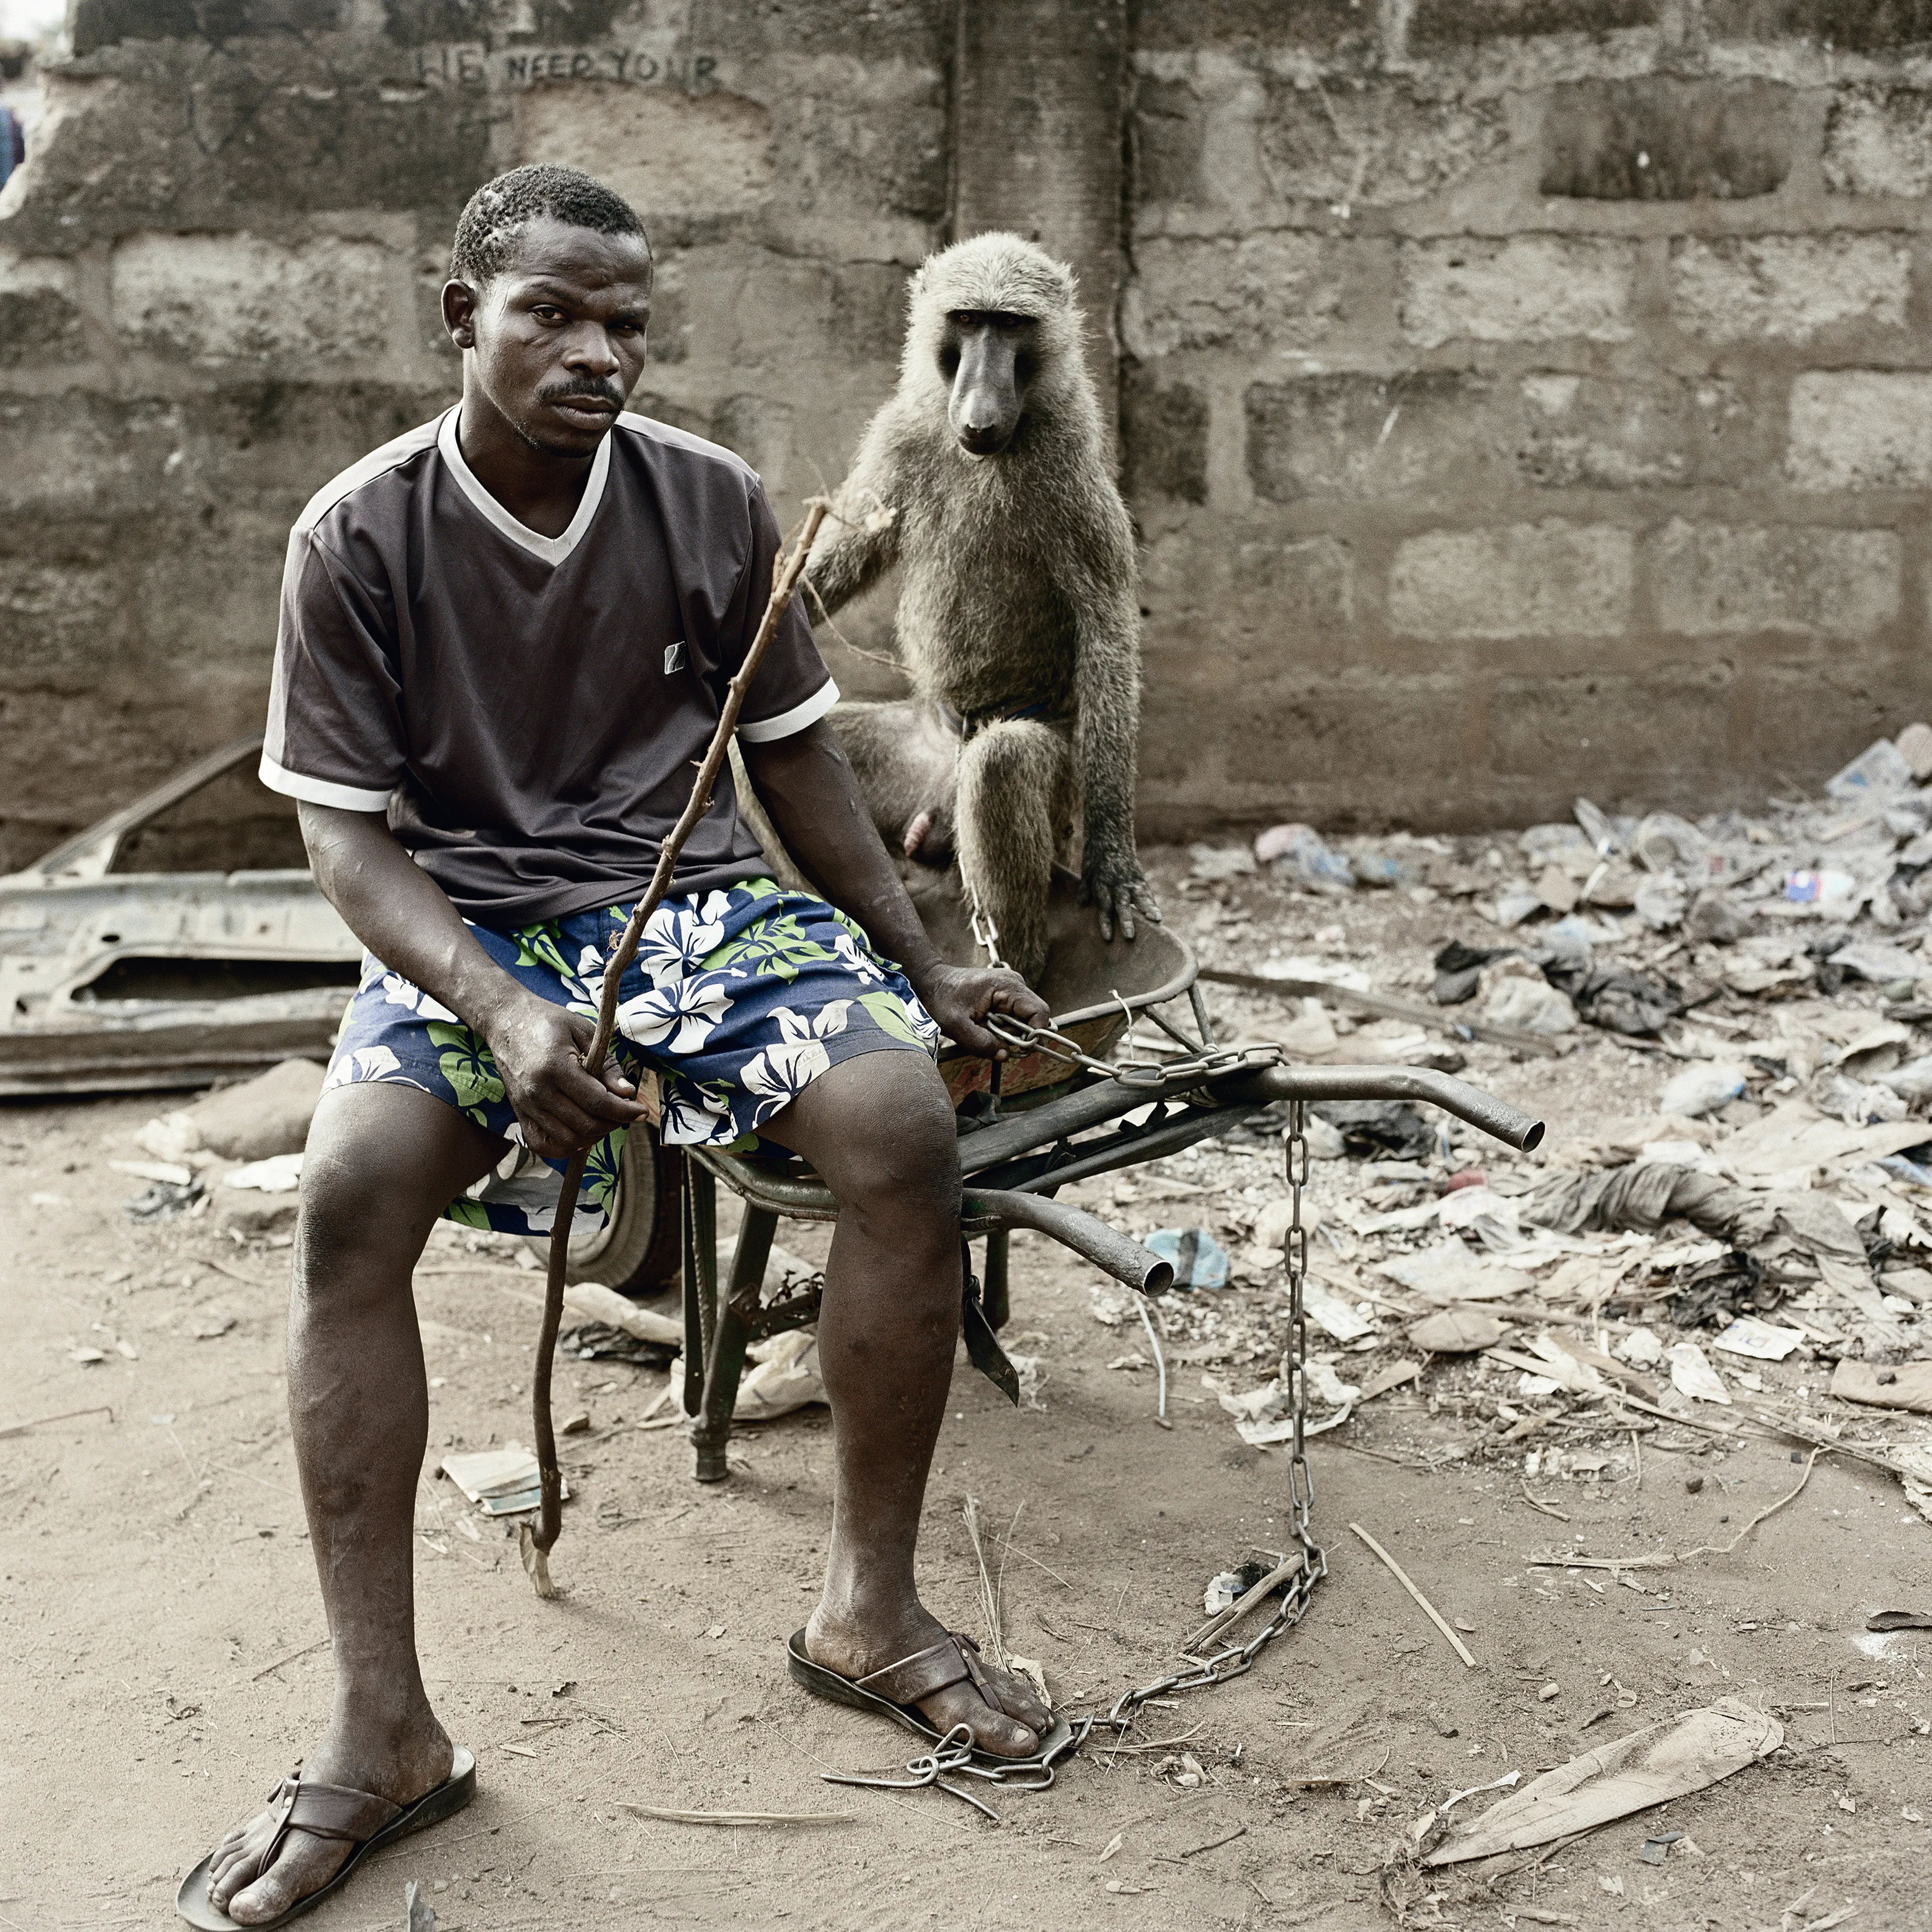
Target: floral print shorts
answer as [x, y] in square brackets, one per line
[738, 1001]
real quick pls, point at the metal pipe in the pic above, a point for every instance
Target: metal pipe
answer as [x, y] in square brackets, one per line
[1509, 1124]
[1126, 1261]
[1197, 1123]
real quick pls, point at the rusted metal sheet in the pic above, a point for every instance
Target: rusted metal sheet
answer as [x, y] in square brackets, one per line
[112, 982]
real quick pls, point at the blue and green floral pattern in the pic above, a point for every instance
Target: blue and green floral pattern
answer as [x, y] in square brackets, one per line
[738, 1001]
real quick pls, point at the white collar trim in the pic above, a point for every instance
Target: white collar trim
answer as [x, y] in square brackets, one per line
[552, 550]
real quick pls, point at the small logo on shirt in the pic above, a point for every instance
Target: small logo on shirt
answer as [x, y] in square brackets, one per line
[674, 657]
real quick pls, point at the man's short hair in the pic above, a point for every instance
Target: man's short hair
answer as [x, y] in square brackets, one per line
[486, 231]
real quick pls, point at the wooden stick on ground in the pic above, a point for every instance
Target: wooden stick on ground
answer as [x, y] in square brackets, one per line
[1225, 1620]
[672, 1817]
[1395, 1570]
[65, 1415]
[537, 1544]
[1386, 1006]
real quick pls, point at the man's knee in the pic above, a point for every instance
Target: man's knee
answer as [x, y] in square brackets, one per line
[381, 1165]
[899, 1158]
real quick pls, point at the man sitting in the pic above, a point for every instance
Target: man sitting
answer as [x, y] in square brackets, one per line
[504, 643]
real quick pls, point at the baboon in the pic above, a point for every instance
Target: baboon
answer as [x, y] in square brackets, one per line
[986, 479]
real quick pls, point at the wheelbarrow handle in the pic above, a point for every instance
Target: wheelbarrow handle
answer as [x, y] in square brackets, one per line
[1126, 1261]
[1509, 1124]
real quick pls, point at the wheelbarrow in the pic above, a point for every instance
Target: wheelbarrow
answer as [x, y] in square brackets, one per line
[1054, 1113]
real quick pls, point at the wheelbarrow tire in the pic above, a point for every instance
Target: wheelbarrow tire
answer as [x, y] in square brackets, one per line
[637, 1251]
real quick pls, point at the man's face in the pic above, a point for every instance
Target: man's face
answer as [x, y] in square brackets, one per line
[557, 340]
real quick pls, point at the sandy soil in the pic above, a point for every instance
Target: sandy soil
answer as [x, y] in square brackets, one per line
[166, 1661]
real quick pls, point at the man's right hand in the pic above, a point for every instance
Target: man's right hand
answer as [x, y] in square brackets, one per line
[539, 1051]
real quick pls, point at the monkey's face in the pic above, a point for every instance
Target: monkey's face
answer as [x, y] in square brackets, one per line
[988, 359]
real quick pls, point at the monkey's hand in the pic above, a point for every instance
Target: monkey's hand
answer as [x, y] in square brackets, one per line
[959, 997]
[1115, 883]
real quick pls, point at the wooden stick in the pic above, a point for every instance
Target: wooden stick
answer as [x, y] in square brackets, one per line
[1387, 1006]
[1434, 1616]
[674, 1817]
[1537, 1503]
[65, 1415]
[1225, 1620]
[537, 1544]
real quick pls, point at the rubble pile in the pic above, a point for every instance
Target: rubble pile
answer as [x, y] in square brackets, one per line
[1728, 1025]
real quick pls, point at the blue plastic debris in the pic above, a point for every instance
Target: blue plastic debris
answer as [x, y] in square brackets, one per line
[1198, 1259]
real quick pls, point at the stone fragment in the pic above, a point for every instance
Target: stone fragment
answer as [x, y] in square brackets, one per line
[261, 1117]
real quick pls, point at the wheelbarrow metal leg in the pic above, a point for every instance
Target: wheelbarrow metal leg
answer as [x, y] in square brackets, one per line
[725, 1361]
[995, 1296]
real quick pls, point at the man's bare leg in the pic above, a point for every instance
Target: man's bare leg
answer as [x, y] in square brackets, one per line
[383, 1162]
[879, 1130]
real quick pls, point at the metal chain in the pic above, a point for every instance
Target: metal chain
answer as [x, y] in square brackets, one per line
[1236, 1660]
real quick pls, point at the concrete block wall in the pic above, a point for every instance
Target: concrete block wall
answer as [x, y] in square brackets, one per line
[1526, 397]
[1515, 397]
[218, 285]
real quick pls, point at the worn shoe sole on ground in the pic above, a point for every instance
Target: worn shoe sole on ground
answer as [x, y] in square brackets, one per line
[828, 1683]
[448, 1798]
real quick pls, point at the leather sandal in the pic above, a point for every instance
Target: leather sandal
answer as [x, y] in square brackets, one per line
[366, 1821]
[894, 1692]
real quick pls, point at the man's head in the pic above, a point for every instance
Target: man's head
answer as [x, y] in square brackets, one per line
[548, 298]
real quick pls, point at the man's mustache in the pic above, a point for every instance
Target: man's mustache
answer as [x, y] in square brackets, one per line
[595, 392]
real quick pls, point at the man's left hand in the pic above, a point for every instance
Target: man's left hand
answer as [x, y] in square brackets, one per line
[959, 997]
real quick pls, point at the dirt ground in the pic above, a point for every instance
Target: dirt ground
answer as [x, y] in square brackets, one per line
[166, 1661]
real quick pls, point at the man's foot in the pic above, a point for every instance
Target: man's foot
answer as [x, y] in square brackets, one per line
[401, 1769]
[841, 1646]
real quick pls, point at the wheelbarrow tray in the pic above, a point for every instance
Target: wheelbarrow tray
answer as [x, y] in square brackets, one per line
[1093, 986]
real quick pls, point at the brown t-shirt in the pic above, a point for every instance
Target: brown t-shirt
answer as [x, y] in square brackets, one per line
[530, 710]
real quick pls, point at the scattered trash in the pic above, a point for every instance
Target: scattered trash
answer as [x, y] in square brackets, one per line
[1691, 1374]
[1457, 1331]
[1747, 1336]
[280, 1174]
[418, 1915]
[1899, 1620]
[600, 1341]
[1299, 850]
[608, 1309]
[784, 1377]
[1390, 1126]
[1703, 1089]
[1649, 1767]
[1909, 1386]
[500, 1482]
[163, 1201]
[1198, 1259]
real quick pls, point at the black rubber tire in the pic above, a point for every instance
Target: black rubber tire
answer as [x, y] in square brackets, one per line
[636, 1252]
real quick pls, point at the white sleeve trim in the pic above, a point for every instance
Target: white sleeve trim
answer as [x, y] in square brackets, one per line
[319, 791]
[787, 723]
